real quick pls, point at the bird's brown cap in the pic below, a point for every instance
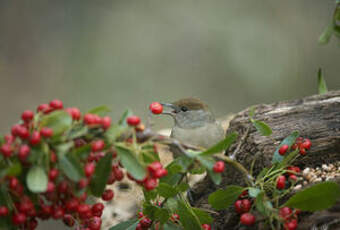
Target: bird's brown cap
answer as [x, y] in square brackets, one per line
[191, 103]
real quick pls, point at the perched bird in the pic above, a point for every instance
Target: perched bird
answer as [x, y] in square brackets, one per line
[194, 123]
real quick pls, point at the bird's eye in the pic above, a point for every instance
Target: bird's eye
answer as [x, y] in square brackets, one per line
[184, 109]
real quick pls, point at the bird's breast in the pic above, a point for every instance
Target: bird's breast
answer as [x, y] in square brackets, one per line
[204, 136]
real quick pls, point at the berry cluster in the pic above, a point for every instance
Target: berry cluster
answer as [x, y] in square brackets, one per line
[289, 217]
[63, 198]
[302, 144]
[155, 171]
[243, 207]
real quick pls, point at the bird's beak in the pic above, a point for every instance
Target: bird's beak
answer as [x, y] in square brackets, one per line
[169, 109]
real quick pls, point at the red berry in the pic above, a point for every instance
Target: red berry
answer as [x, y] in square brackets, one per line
[13, 183]
[206, 227]
[74, 113]
[53, 174]
[6, 150]
[56, 104]
[145, 222]
[281, 182]
[53, 157]
[63, 187]
[23, 132]
[44, 108]
[95, 223]
[83, 182]
[242, 206]
[46, 132]
[154, 167]
[303, 151]
[291, 225]
[68, 220]
[219, 167]
[97, 119]
[292, 177]
[72, 205]
[50, 187]
[24, 151]
[27, 116]
[119, 175]
[97, 145]
[18, 218]
[89, 119]
[3, 211]
[107, 195]
[294, 169]
[306, 144]
[156, 108]
[133, 120]
[9, 138]
[140, 215]
[35, 138]
[243, 194]
[83, 208]
[150, 183]
[98, 207]
[58, 212]
[175, 217]
[89, 169]
[106, 122]
[139, 227]
[160, 173]
[32, 224]
[283, 149]
[247, 219]
[285, 213]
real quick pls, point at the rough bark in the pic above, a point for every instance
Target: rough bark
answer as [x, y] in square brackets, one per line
[316, 117]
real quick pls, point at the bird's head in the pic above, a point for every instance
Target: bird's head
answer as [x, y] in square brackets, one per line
[189, 113]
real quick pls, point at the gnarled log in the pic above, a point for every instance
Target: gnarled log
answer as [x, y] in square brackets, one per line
[315, 117]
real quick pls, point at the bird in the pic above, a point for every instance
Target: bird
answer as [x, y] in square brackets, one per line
[194, 123]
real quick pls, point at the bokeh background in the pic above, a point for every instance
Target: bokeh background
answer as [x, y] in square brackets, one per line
[232, 54]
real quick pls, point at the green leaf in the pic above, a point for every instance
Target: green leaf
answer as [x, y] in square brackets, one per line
[215, 177]
[262, 127]
[326, 35]
[59, 121]
[251, 111]
[182, 187]
[101, 175]
[187, 217]
[221, 146]
[288, 159]
[317, 197]
[262, 205]
[36, 179]
[253, 192]
[208, 162]
[78, 132]
[203, 216]
[262, 173]
[122, 120]
[321, 83]
[130, 163]
[171, 226]
[115, 132]
[70, 166]
[100, 110]
[126, 225]
[166, 191]
[222, 199]
[156, 213]
[14, 169]
[290, 140]
[150, 195]
[82, 152]
[149, 157]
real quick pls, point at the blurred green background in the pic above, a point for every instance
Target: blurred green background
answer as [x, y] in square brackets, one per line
[231, 53]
